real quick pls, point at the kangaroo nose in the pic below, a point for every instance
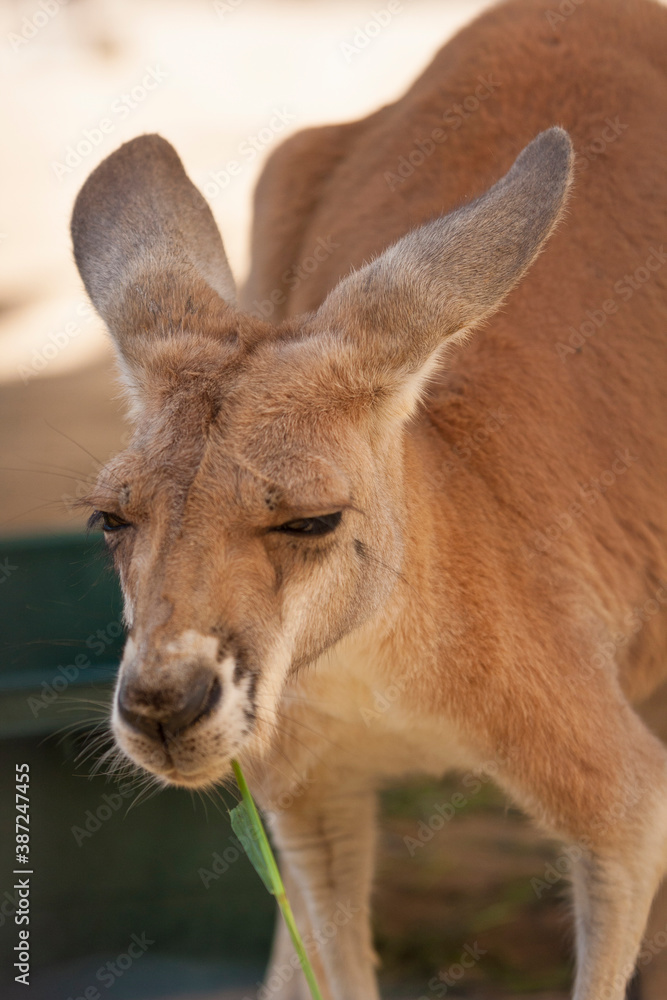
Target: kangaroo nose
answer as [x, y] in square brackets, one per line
[161, 716]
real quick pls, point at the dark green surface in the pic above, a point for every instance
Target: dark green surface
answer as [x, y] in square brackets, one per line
[60, 629]
[140, 870]
[57, 592]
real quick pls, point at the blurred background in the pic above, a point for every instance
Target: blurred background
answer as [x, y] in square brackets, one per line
[162, 885]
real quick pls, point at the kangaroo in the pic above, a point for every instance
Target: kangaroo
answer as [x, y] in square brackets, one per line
[434, 481]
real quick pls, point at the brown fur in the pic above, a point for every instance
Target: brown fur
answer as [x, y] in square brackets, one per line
[461, 576]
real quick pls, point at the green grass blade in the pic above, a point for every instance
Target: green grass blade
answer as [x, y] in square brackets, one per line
[248, 827]
[243, 827]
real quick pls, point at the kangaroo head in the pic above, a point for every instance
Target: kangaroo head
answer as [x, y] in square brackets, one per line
[257, 515]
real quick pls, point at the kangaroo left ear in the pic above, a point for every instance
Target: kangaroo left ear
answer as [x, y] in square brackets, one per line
[147, 247]
[393, 316]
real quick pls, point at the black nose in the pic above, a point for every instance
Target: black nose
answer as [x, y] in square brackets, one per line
[163, 714]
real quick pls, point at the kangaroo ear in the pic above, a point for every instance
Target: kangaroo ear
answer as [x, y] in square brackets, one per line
[393, 316]
[147, 247]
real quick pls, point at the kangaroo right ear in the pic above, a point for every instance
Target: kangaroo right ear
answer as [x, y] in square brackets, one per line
[394, 316]
[148, 249]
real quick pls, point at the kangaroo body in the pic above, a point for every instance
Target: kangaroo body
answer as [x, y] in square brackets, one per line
[355, 541]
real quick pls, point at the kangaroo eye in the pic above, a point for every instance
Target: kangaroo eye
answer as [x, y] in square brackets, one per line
[109, 522]
[312, 525]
